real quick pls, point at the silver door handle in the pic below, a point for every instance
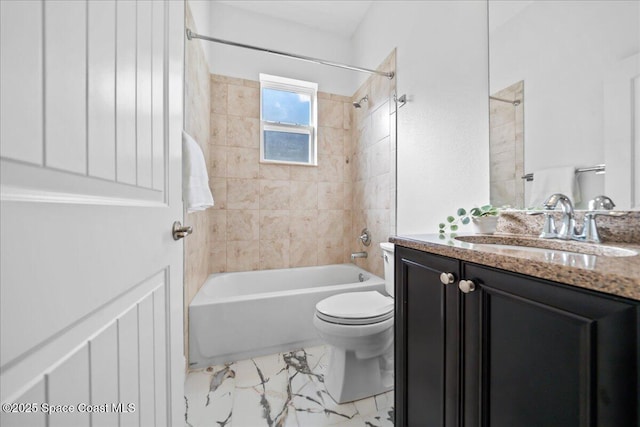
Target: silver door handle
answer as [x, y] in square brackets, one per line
[179, 232]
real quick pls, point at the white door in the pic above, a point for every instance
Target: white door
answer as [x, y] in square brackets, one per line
[91, 279]
[622, 133]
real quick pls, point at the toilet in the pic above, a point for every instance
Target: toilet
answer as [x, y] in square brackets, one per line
[358, 330]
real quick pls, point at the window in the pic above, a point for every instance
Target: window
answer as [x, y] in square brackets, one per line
[287, 121]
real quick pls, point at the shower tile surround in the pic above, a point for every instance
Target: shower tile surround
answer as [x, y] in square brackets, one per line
[506, 147]
[285, 389]
[196, 122]
[270, 216]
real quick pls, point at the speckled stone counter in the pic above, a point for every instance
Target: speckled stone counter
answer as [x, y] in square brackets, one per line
[614, 275]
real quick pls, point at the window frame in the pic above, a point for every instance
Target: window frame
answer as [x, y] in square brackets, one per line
[268, 81]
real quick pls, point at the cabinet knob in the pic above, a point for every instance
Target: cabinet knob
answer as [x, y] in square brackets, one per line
[447, 278]
[467, 286]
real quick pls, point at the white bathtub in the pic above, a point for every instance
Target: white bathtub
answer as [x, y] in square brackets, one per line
[235, 316]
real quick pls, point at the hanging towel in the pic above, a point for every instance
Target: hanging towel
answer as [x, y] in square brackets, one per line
[195, 180]
[554, 180]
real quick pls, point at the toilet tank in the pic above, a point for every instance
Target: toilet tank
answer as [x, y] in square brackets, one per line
[389, 266]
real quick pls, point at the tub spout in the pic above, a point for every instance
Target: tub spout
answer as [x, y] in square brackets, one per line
[358, 255]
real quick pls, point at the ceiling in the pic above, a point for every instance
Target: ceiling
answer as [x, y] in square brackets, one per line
[338, 17]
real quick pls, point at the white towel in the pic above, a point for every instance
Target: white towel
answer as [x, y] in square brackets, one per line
[195, 180]
[554, 180]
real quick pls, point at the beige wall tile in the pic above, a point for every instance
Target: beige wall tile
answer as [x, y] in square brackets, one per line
[274, 194]
[243, 193]
[304, 195]
[303, 252]
[243, 225]
[274, 254]
[243, 162]
[330, 141]
[218, 129]
[243, 132]
[217, 225]
[303, 225]
[243, 255]
[291, 216]
[330, 224]
[243, 101]
[347, 114]
[330, 113]
[274, 225]
[380, 123]
[218, 98]
[379, 158]
[275, 172]
[331, 168]
[330, 251]
[218, 78]
[218, 187]
[330, 195]
[304, 173]
[218, 257]
[217, 161]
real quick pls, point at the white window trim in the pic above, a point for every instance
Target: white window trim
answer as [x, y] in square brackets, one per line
[297, 86]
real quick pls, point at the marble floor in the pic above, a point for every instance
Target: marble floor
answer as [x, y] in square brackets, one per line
[279, 390]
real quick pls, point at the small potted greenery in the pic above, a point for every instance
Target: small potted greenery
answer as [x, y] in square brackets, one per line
[484, 220]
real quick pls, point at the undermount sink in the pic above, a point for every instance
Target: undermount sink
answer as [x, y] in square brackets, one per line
[532, 244]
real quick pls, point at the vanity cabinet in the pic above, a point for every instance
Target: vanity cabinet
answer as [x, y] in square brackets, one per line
[513, 351]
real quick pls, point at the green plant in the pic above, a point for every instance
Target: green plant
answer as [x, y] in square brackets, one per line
[465, 217]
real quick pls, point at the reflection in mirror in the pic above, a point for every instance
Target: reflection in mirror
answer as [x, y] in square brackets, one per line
[571, 68]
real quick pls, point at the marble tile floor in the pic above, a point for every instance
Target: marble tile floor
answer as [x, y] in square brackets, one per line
[279, 390]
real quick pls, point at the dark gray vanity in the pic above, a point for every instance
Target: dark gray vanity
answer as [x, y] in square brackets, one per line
[480, 341]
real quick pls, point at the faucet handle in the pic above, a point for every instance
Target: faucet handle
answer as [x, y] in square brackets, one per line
[590, 228]
[601, 203]
[549, 230]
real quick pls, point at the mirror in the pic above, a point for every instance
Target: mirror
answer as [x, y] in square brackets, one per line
[564, 78]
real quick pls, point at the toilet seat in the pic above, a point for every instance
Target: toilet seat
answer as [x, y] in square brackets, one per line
[355, 308]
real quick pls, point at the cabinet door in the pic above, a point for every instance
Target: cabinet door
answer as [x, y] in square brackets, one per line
[426, 340]
[537, 353]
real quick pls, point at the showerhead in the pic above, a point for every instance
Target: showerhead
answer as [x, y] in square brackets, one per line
[359, 103]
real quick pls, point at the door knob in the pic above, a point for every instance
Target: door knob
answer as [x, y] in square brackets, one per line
[179, 232]
[467, 286]
[447, 278]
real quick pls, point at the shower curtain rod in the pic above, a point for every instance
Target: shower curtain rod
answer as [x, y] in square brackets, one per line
[192, 35]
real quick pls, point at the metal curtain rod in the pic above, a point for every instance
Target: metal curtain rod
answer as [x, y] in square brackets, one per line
[514, 102]
[192, 35]
[598, 169]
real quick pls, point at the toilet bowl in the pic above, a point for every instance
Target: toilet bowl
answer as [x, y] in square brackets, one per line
[358, 329]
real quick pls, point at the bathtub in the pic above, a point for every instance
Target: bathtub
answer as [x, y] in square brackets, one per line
[236, 316]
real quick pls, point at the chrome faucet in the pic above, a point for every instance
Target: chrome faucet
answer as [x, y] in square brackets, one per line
[568, 228]
[358, 255]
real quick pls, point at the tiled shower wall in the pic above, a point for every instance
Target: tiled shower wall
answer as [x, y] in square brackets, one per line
[196, 122]
[276, 216]
[506, 147]
[374, 165]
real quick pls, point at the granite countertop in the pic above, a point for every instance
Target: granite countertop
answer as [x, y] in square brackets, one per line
[614, 275]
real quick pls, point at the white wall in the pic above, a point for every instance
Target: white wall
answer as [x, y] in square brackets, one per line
[241, 26]
[443, 133]
[562, 51]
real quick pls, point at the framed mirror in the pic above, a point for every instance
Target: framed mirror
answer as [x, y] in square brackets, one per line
[564, 101]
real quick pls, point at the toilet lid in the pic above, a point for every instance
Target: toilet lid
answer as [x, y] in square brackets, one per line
[355, 308]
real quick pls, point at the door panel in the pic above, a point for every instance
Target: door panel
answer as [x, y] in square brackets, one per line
[91, 279]
[427, 318]
[547, 353]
